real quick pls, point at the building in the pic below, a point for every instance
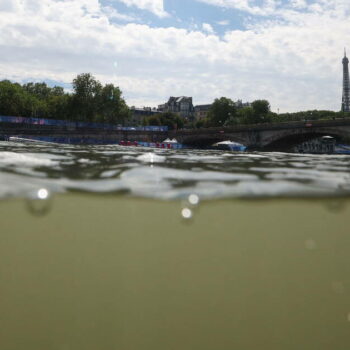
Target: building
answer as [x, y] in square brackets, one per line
[239, 104]
[346, 85]
[182, 106]
[201, 111]
[139, 115]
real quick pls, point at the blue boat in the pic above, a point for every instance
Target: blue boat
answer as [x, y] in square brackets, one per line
[229, 146]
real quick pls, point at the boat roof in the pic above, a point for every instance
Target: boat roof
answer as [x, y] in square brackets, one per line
[227, 142]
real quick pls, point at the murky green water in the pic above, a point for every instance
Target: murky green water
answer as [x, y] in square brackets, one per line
[118, 254]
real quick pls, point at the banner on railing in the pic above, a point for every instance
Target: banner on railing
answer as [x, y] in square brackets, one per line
[75, 125]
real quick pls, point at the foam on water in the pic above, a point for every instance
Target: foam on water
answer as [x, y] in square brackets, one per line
[30, 160]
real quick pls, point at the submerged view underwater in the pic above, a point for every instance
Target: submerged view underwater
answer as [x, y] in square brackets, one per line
[110, 247]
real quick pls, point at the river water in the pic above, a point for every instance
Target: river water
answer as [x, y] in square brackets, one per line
[109, 247]
[168, 174]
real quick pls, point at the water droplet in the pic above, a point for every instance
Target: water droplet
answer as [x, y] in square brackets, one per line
[43, 193]
[349, 316]
[310, 244]
[193, 199]
[39, 202]
[115, 64]
[187, 213]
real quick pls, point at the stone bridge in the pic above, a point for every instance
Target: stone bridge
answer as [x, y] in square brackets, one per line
[267, 136]
[278, 136]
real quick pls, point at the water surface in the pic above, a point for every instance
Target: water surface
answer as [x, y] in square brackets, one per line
[167, 174]
[137, 249]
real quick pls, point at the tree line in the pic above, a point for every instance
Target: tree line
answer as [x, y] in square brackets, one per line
[224, 112]
[90, 101]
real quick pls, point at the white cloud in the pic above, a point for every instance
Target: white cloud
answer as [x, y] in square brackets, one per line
[295, 63]
[223, 23]
[8, 6]
[154, 6]
[208, 28]
[112, 13]
[299, 4]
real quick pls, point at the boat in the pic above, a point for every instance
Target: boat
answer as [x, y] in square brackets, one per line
[229, 146]
[166, 144]
[320, 145]
[342, 149]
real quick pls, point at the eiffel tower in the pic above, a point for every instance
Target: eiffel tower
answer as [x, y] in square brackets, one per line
[345, 106]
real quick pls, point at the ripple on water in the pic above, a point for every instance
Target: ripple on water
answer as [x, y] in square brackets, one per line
[169, 174]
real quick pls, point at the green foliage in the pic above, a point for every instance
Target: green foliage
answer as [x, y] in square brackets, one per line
[153, 120]
[90, 101]
[172, 120]
[39, 90]
[221, 110]
[201, 123]
[246, 115]
[12, 98]
[309, 115]
[87, 92]
[259, 112]
[59, 107]
[93, 102]
[261, 107]
[111, 108]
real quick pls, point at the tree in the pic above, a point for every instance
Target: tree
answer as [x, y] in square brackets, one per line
[90, 101]
[16, 101]
[201, 123]
[39, 90]
[246, 115]
[261, 107]
[171, 120]
[94, 102]
[57, 91]
[220, 111]
[86, 94]
[261, 110]
[153, 120]
[111, 106]
[11, 98]
[59, 107]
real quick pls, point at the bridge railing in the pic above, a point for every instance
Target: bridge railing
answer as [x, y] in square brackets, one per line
[74, 125]
[270, 126]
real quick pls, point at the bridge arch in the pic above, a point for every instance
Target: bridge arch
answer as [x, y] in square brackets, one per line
[290, 138]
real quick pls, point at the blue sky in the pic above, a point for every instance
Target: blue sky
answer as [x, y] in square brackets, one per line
[185, 14]
[286, 51]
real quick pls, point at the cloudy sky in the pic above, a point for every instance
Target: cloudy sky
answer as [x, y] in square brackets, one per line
[286, 51]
